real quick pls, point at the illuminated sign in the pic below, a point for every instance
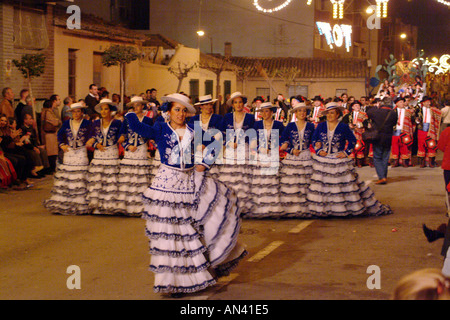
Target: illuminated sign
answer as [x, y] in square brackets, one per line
[338, 35]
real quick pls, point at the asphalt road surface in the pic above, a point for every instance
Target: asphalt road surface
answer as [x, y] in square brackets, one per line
[323, 259]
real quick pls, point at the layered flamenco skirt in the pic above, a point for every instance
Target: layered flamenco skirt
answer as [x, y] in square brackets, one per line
[236, 172]
[156, 162]
[295, 177]
[193, 223]
[264, 190]
[336, 190]
[135, 175]
[102, 181]
[69, 192]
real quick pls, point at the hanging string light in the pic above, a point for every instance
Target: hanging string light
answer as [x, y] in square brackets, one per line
[270, 10]
[341, 9]
[447, 3]
[338, 9]
[382, 8]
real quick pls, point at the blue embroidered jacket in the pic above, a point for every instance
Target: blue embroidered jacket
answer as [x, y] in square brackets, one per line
[292, 136]
[343, 139]
[131, 138]
[66, 137]
[173, 152]
[228, 123]
[214, 123]
[263, 141]
[111, 137]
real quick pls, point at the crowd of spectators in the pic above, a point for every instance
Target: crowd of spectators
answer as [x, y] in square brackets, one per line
[28, 139]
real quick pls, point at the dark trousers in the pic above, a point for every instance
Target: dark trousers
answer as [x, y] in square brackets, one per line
[381, 156]
[20, 164]
[446, 243]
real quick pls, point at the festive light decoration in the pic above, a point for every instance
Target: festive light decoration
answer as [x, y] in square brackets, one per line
[382, 8]
[439, 66]
[447, 3]
[435, 65]
[338, 8]
[339, 35]
[278, 8]
[308, 3]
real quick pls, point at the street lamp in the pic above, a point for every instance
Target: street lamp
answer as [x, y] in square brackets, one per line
[202, 33]
[403, 36]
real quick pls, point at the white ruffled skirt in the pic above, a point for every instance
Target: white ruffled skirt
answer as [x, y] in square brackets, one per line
[156, 162]
[68, 195]
[135, 176]
[336, 190]
[193, 223]
[295, 177]
[264, 190]
[102, 178]
[236, 172]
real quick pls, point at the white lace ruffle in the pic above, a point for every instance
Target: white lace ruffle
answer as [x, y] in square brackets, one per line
[295, 177]
[102, 178]
[192, 223]
[336, 190]
[135, 176]
[69, 192]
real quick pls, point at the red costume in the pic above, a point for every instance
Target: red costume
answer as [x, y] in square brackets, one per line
[403, 137]
[428, 121]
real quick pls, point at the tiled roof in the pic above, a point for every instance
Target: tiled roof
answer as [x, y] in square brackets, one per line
[308, 67]
[158, 40]
[92, 25]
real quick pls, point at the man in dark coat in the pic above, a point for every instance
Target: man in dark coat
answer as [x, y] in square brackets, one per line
[384, 118]
[91, 100]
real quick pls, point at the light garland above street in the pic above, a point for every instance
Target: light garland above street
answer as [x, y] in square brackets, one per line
[270, 10]
[338, 9]
[447, 3]
[382, 8]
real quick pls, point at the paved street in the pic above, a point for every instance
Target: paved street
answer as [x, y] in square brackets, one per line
[288, 259]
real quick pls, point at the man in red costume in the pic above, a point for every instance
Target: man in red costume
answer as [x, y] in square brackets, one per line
[428, 119]
[403, 135]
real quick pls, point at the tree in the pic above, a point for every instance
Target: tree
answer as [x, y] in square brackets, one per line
[181, 72]
[288, 75]
[31, 66]
[119, 55]
[267, 76]
[216, 65]
[242, 74]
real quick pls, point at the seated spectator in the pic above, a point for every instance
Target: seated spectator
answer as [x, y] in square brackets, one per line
[22, 165]
[19, 140]
[8, 175]
[31, 142]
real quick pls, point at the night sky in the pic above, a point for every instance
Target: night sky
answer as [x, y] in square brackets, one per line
[433, 20]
